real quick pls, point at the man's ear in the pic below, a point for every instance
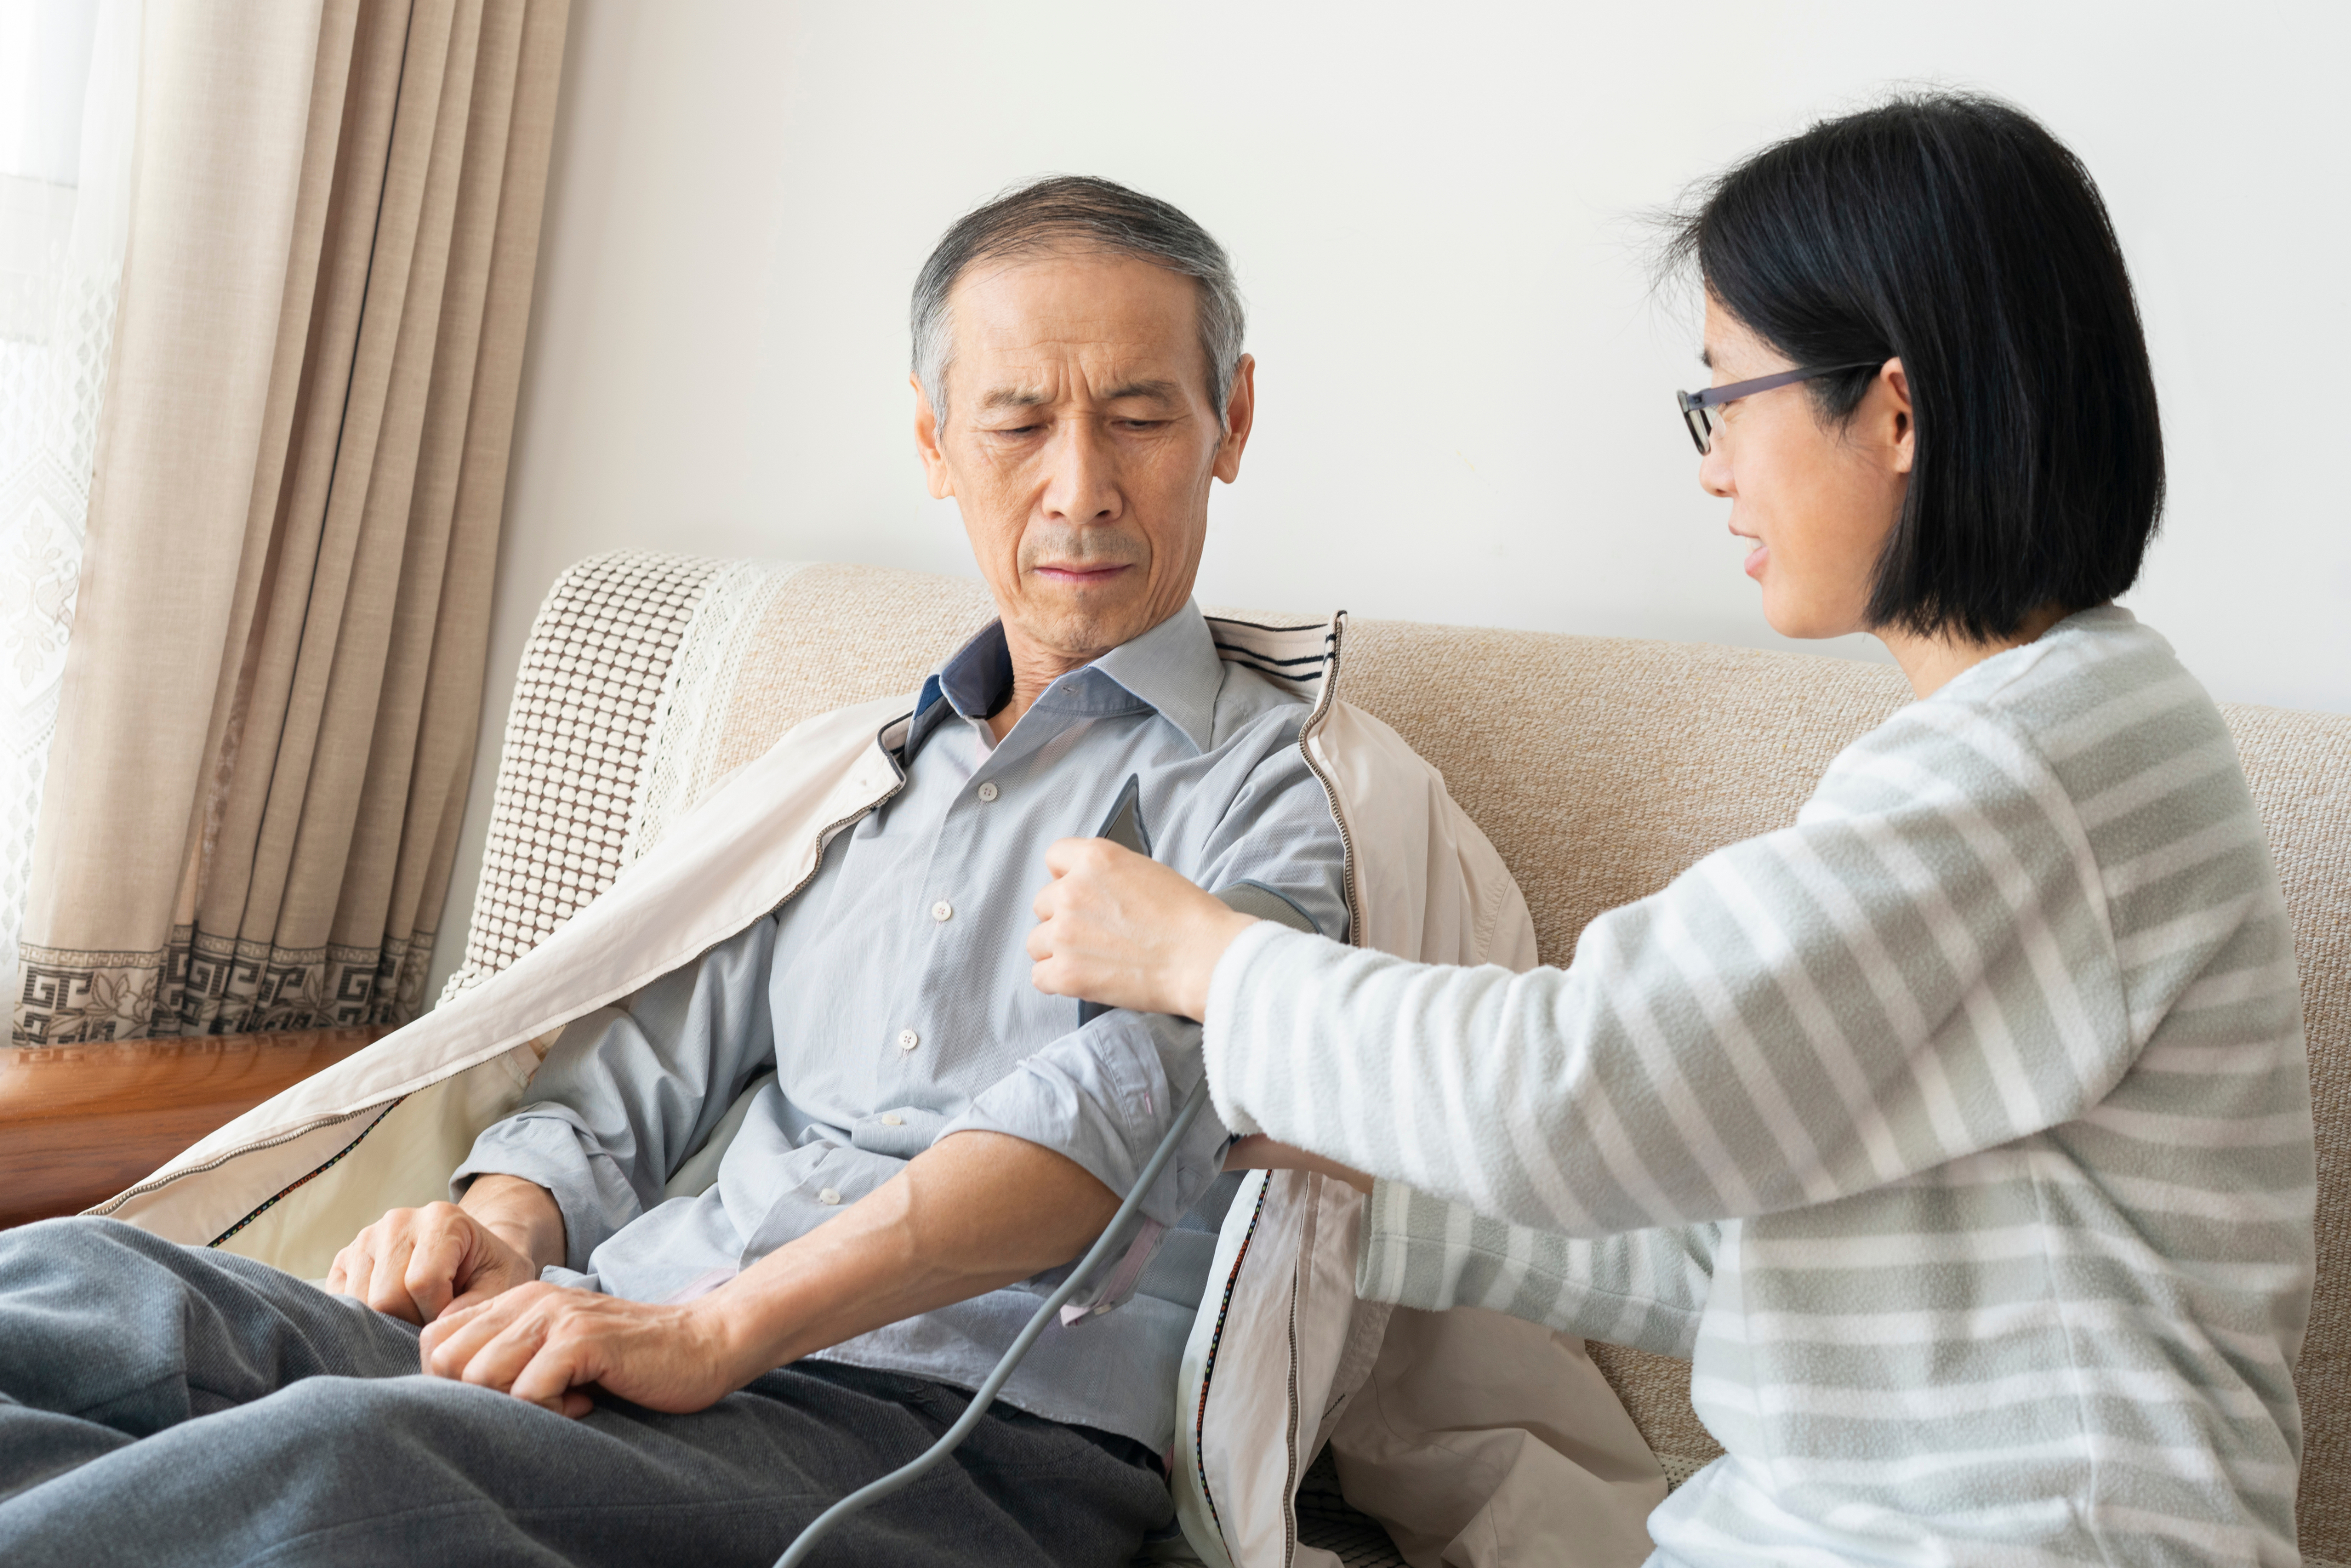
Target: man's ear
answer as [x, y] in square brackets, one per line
[926, 444]
[1896, 382]
[1241, 414]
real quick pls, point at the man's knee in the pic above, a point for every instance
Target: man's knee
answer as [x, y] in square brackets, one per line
[79, 1247]
[413, 1439]
[339, 1426]
[82, 1233]
[331, 1410]
[355, 1418]
[83, 1254]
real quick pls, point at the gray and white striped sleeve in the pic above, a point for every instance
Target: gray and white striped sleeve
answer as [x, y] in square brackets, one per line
[1918, 969]
[1647, 1288]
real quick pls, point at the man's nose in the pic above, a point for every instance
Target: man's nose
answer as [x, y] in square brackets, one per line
[1083, 483]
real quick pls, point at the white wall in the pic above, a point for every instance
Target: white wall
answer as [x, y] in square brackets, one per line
[1464, 408]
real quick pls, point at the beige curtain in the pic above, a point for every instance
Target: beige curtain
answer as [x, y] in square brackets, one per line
[273, 682]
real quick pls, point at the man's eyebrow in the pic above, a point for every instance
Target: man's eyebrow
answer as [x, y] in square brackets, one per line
[1705, 358]
[1164, 391]
[1029, 397]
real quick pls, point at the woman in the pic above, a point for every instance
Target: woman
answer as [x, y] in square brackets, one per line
[1960, 1133]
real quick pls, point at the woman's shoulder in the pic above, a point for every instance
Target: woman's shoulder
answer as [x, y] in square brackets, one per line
[2102, 711]
[2099, 696]
[2099, 711]
[2077, 666]
[2094, 756]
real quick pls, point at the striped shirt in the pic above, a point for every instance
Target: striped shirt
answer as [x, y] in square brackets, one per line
[1959, 1134]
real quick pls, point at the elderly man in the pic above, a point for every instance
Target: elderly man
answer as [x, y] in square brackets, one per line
[935, 1132]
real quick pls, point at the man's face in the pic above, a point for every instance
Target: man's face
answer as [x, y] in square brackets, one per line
[1079, 443]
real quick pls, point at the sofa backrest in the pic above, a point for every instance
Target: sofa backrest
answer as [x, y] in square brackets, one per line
[1600, 768]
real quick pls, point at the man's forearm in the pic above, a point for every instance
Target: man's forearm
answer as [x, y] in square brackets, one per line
[975, 1212]
[523, 1214]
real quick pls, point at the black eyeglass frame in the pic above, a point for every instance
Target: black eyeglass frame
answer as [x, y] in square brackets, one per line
[1698, 407]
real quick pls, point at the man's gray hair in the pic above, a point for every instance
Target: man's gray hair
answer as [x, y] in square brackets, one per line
[1082, 213]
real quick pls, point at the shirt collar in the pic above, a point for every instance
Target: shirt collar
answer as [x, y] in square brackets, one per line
[1175, 668]
[976, 679]
[1172, 669]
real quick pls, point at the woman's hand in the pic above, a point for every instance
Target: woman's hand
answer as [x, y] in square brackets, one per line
[1120, 930]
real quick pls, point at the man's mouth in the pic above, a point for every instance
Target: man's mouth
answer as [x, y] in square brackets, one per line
[1080, 575]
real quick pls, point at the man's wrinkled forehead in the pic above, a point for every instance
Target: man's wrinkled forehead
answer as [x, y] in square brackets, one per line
[1016, 395]
[1031, 329]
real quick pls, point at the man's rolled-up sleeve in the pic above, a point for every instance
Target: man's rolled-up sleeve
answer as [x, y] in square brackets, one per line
[630, 1090]
[1104, 1096]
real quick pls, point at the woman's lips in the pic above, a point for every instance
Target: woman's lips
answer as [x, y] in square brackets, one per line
[1755, 560]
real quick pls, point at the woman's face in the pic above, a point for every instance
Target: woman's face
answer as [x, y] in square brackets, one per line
[1816, 499]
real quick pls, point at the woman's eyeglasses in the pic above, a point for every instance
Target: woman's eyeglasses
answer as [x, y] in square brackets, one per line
[1702, 411]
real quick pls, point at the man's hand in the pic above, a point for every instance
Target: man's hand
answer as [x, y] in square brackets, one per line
[975, 1211]
[419, 1263]
[1118, 928]
[546, 1345]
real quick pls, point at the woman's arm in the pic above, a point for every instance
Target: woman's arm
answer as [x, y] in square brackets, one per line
[1918, 969]
[1647, 1288]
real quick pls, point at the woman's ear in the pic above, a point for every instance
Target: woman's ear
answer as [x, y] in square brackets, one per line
[1897, 384]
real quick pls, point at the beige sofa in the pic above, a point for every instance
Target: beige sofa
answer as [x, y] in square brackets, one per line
[1600, 768]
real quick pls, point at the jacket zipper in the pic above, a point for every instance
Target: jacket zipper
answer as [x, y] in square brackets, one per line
[825, 835]
[153, 1184]
[1290, 1427]
[1322, 701]
[1208, 1371]
[313, 1173]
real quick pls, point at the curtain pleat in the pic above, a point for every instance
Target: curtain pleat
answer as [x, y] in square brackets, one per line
[449, 722]
[339, 619]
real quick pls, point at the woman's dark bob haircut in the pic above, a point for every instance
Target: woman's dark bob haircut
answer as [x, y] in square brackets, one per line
[1955, 234]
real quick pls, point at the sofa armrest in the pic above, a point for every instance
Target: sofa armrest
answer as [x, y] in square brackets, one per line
[80, 1122]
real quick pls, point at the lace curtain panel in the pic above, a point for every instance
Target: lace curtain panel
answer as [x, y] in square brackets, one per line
[269, 706]
[69, 80]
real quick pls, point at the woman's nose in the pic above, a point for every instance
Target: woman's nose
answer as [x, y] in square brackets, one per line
[1714, 470]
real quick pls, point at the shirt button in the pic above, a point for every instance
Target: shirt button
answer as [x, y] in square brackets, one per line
[908, 1039]
[987, 791]
[828, 1196]
[942, 910]
[894, 1120]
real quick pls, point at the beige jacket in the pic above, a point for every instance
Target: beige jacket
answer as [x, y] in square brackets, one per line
[1478, 1439]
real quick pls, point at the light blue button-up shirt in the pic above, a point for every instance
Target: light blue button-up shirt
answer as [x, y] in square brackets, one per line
[892, 1001]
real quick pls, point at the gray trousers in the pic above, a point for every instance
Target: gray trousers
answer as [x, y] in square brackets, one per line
[169, 1404]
